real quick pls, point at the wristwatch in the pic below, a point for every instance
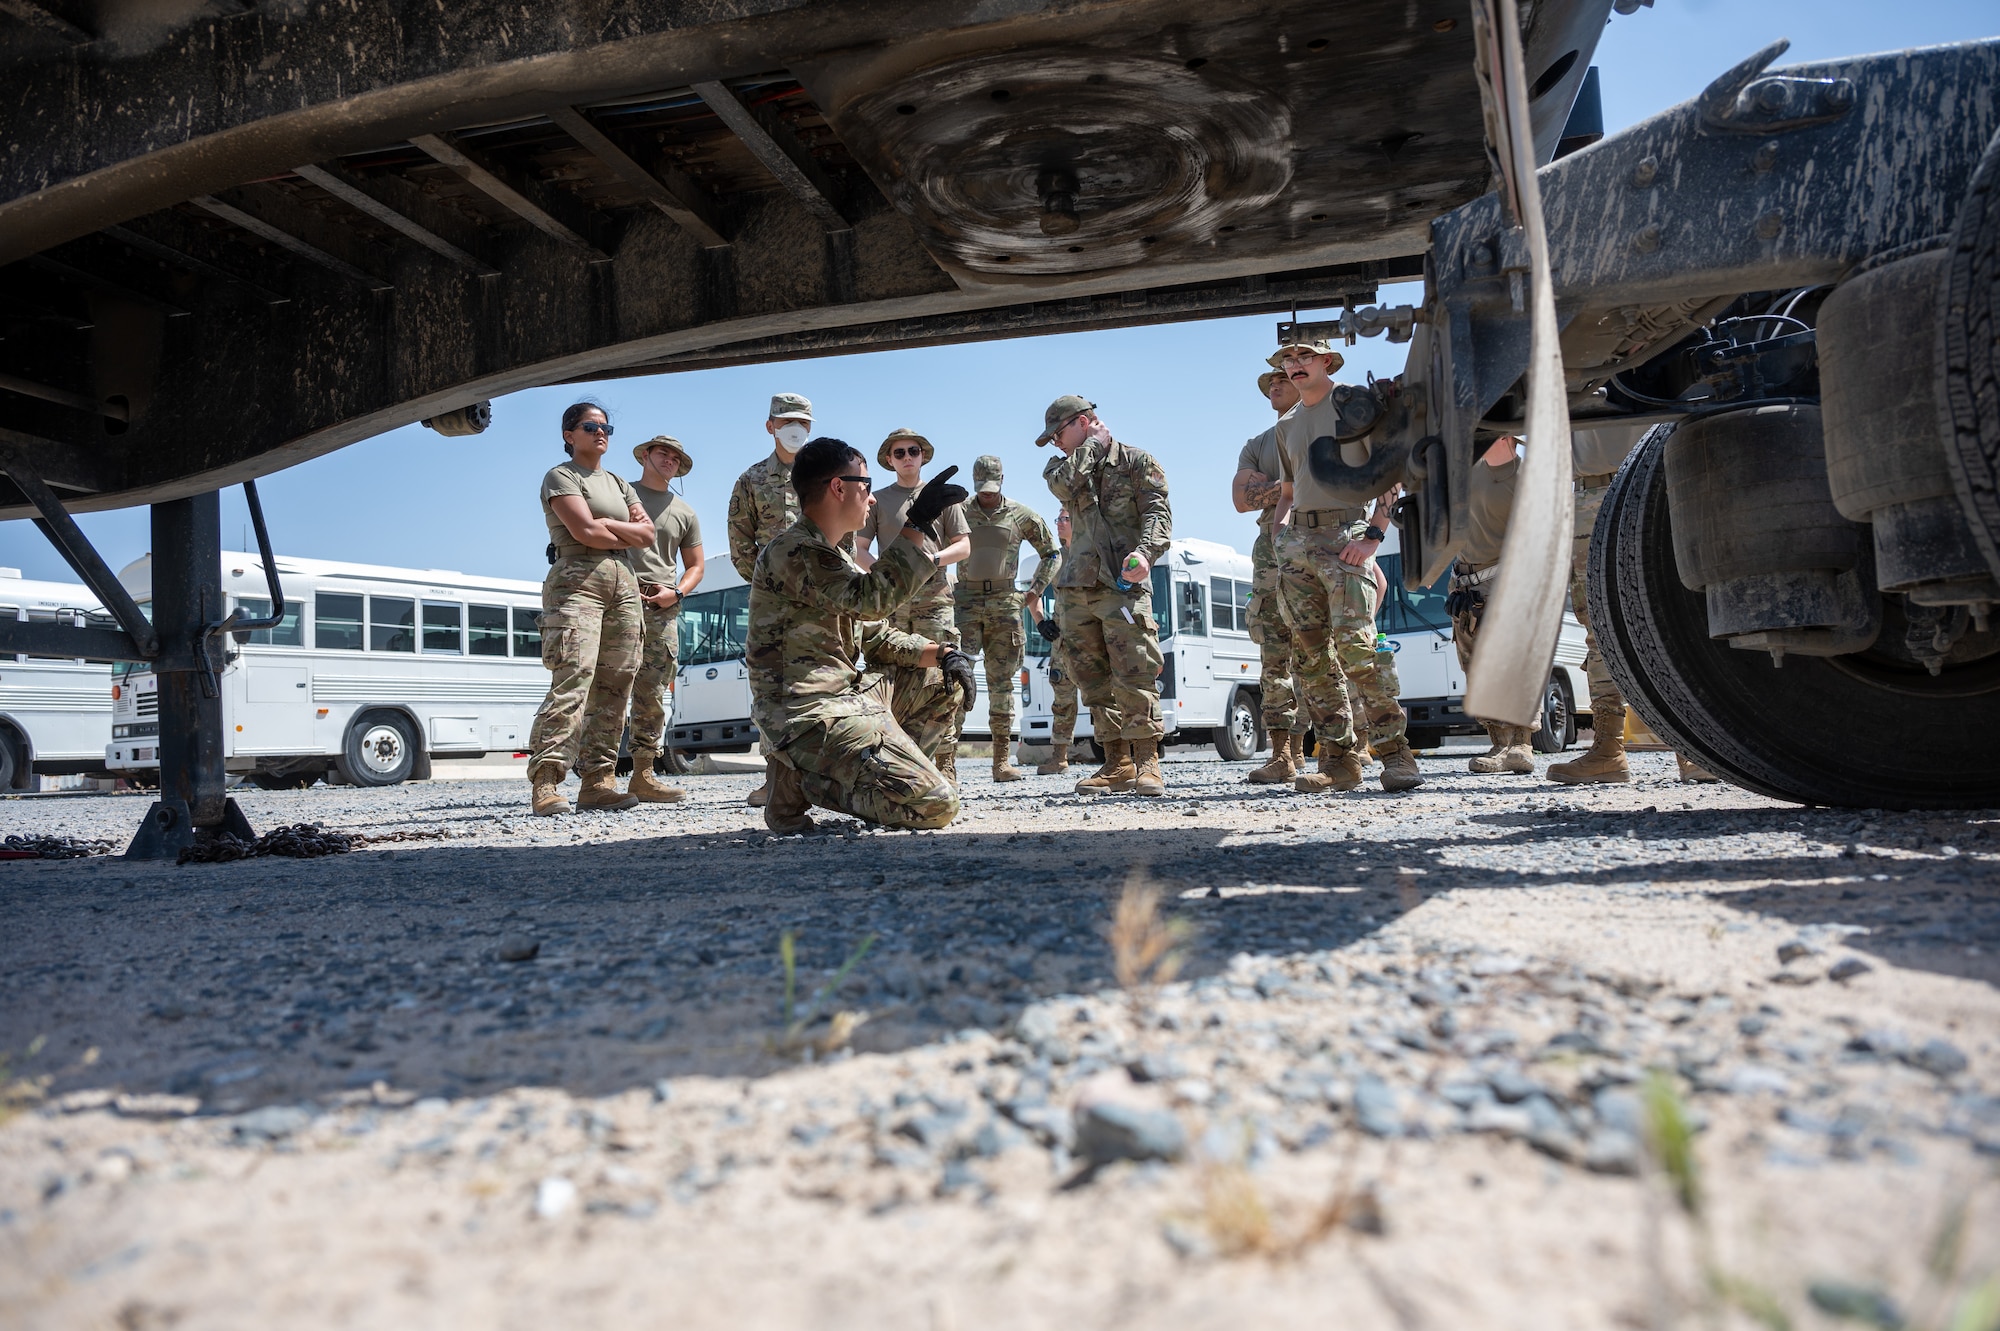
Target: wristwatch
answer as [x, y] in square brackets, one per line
[1374, 533]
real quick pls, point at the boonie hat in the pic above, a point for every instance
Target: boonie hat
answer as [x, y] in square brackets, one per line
[882, 453]
[1060, 410]
[1264, 382]
[664, 441]
[790, 407]
[1314, 348]
[986, 474]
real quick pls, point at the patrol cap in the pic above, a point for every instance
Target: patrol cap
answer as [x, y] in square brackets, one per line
[790, 407]
[882, 453]
[666, 441]
[1060, 410]
[1317, 347]
[986, 474]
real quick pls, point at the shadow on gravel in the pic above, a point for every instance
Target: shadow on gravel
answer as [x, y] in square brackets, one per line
[269, 980]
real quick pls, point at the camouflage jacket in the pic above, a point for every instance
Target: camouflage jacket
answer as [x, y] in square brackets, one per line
[996, 550]
[813, 613]
[762, 505]
[1117, 499]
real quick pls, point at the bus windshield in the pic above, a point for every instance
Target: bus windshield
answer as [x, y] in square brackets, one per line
[715, 626]
[1403, 611]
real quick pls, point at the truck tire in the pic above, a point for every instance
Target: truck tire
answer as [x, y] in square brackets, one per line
[381, 750]
[1236, 737]
[1873, 729]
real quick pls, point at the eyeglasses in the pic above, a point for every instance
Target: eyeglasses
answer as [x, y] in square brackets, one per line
[1071, 421]
[865, 482]
[595, 427]
[906, 453]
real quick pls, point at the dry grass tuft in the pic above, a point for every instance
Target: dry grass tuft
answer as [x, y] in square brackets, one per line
[1147, 951]
[791, 1039]
[1240, 1222]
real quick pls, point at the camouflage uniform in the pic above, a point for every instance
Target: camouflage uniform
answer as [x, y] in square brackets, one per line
[762, 505]
[1117, 500]
[1332, 608]
[988, 607]
[1062, 679]
[1269, 628]
[1605, 699]
[859, 743]
[591, 631]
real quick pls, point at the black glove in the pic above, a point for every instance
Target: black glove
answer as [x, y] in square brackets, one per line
[933, 499]
[957, 667]
[1049, 629]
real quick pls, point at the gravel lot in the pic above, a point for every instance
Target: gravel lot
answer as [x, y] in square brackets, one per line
[538, 1072]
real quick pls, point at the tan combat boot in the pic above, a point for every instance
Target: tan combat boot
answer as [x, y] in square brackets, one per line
[1287, 755]
[1696, 773]
[1118, 772]
[1146, 759]
[600, 791]
[1003, 768]
[649, 788]
[1604, 761]
[946, 761]
[1519, 755]
[1399, 767]
[756, 798]
[1058, 762]
[548, 797]
[1490, 761]
[785, 811]
[1339, 769]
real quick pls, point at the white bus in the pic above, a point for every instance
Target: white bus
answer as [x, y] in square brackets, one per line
[1211, 684]
[55, 712]
[371, 673]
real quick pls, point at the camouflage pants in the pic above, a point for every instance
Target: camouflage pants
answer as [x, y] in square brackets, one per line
[1602, 689]
[591, 635]
[927, 691]
[876, 765]
[1064, 685]
[1114, 653]
[1337, 669]
[1272, 633]
[1465, 640]
[652, 686]
[990, 624]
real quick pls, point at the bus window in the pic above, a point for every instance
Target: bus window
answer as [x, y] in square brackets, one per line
[715, 626]
[1032, 614]
[1190, 616]
[291, 630]
[1163, 605]
[337, 623]
[441, 627]
[392, 624]
[486, 630]
[1420, 611]
[527, 633]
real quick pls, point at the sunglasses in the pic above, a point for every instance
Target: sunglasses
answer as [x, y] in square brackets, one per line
[595, 427]
[865, 482]
[906, 453]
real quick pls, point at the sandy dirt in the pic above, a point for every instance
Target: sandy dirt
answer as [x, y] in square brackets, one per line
[538, 1072]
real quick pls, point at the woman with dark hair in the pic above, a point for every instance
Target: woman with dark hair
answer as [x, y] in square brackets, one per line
[591, 620]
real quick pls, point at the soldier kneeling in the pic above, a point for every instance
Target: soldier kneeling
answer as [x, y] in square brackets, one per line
[844, 737]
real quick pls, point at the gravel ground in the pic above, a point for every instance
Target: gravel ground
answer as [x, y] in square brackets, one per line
[539, 1071]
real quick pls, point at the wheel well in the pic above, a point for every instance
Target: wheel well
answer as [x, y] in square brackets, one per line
[24, 774]
[420, 756]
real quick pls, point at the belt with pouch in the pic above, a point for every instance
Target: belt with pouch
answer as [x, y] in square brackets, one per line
[1315, 518]
[1465, 582]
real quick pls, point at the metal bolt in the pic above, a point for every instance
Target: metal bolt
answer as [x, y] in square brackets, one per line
[1644, 174]
[1765, 157]
[1482, 255]
[1648, 239]
[1771, 225]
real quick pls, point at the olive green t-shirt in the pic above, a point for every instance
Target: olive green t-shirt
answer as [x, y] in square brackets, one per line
[1261, 454]
[1296, 430]
[885, 521]
[676, 530]
[607, 494]
[1489, 501]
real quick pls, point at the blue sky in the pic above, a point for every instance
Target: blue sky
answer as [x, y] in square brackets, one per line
[1182, 391]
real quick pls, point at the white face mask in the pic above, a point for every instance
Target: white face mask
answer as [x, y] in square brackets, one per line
[793, 436]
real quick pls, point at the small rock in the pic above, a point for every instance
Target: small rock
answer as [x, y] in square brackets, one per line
[996, 1137]
[1376, 1108]
[1620, 1110]
[1793, 950]
[1847, 968]
[1271, 984]
[521, 948]
[1511, 1086]
[1940, 1058]
[1611, 1151]
[272, 1123]
[1108, 1130]
[1754, 1079]
[1507, 1120]
[1868, 1304]
[553, 1196]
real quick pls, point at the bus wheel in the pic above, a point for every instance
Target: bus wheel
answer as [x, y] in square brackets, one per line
[380, 750]
[1872, 729]
[674, 763]
[1236, 737]
[10, 759]
[1558, 727]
